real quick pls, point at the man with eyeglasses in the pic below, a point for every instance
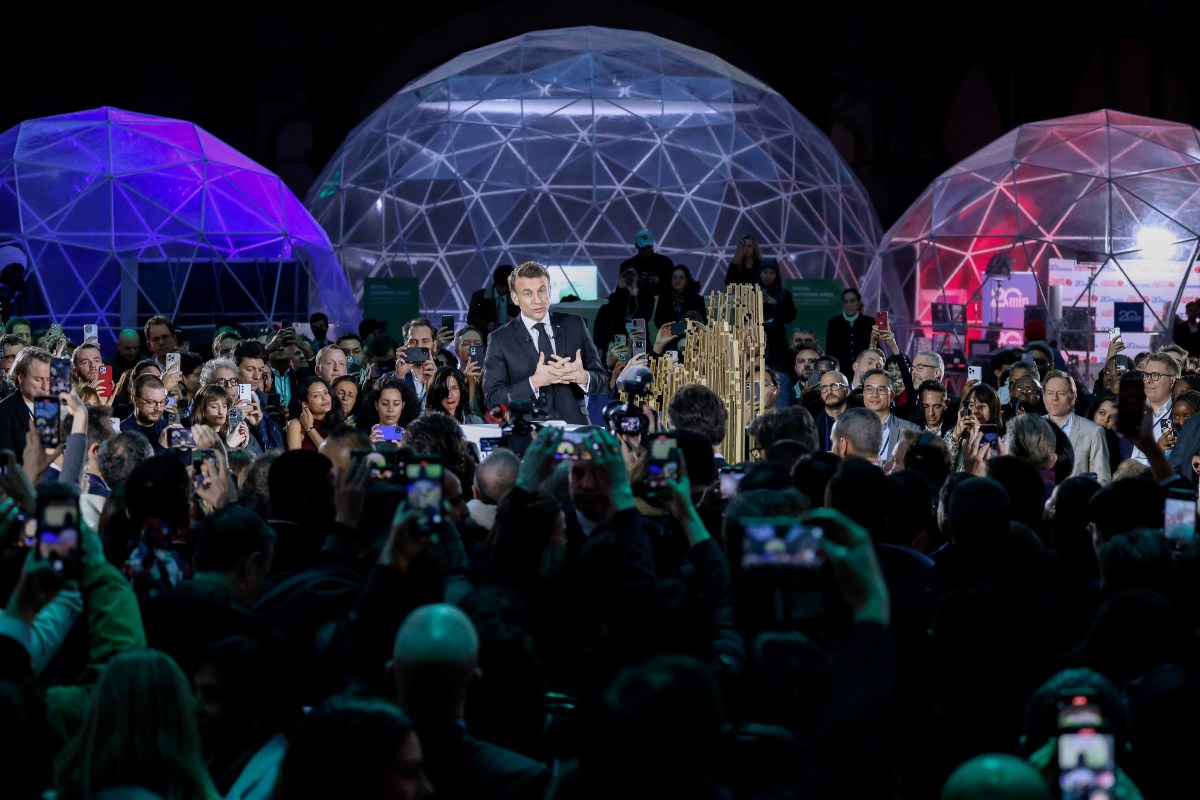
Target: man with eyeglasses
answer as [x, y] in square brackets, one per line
[1159, 373]
[149, 403]
[877, 397]
[31, 374]
[834, 389]
[1087, 438]
[929, 366]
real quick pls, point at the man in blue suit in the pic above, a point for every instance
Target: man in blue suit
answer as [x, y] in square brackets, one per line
[548, 358]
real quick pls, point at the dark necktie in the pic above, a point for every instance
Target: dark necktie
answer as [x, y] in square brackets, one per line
[544, 341]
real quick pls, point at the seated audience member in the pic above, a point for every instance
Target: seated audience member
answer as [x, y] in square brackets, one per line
[318, 323]
[142, 696]
[129, 346]
[307, 590]
[833, 393]
[792, 423]
[31, 374]
[149, 403]
[319, 413]
[352, 346]
[805, 375]
[352, 746]
[1041, 728]
[493, 480]
[697, 408]
[434, 661]
[86, 361]
[348, 394]
[233, 549]
[980, 406]
[996, 776]
[933, 407]
[1031, 439]
[471, 367]
[262, 409]
[393, 404]
[859, 433]
[119, 455]
[877, 397]
[418, 333]
[211, 408]
[1086, 437]
[438, 433]
[448, 395]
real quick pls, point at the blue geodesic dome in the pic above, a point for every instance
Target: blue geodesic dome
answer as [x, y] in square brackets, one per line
[559, 145]
[123, 215]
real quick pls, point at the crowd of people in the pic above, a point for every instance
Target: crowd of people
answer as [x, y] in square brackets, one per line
[283, 568]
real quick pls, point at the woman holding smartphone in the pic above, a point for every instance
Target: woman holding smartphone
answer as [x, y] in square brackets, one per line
[320, 413]
[211, 408]
[981, 406]
[394, 404]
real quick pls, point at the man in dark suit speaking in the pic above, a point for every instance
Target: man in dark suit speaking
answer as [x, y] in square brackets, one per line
[548, 358]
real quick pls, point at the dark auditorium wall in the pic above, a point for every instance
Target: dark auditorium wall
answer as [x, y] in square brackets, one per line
[905, 91]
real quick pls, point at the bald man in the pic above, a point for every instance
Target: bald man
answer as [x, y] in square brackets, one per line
[435, 662]
[497, 474]
[129, 348]
[996, 776]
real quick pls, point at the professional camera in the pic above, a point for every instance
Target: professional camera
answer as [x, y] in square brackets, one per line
[625, 416]
[517, 433]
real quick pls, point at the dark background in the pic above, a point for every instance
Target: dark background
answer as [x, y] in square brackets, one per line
[904, 92]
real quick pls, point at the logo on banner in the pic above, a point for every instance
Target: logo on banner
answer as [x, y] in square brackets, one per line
[1130, 317]
[1012, 298]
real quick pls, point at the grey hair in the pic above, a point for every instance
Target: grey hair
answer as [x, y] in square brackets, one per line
[120, 454]
[214, 364]
[936, 358]
[1031, 439]
[863, 429]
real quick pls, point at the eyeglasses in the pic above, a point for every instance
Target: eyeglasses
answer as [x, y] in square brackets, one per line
[1153, 377]
[227, 382]
[153, 403]
[876, 389]
[923, 366]
[833, 387]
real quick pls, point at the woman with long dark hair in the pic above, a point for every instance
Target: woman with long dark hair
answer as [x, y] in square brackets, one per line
[320, 412]
[448, 395]
[681, 295]
[392, 403]
[981, 406]
[778, 311]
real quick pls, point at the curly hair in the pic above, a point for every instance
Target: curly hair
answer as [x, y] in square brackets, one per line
[441, 435]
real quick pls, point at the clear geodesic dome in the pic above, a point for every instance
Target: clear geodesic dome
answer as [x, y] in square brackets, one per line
[124, 215]
[559, 145]
[1090, 221]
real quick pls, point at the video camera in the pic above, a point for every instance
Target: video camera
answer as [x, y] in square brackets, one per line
[625, 416]
[518, 427]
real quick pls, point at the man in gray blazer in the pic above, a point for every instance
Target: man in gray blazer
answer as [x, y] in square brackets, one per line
[1087, 438]
[877, 397]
